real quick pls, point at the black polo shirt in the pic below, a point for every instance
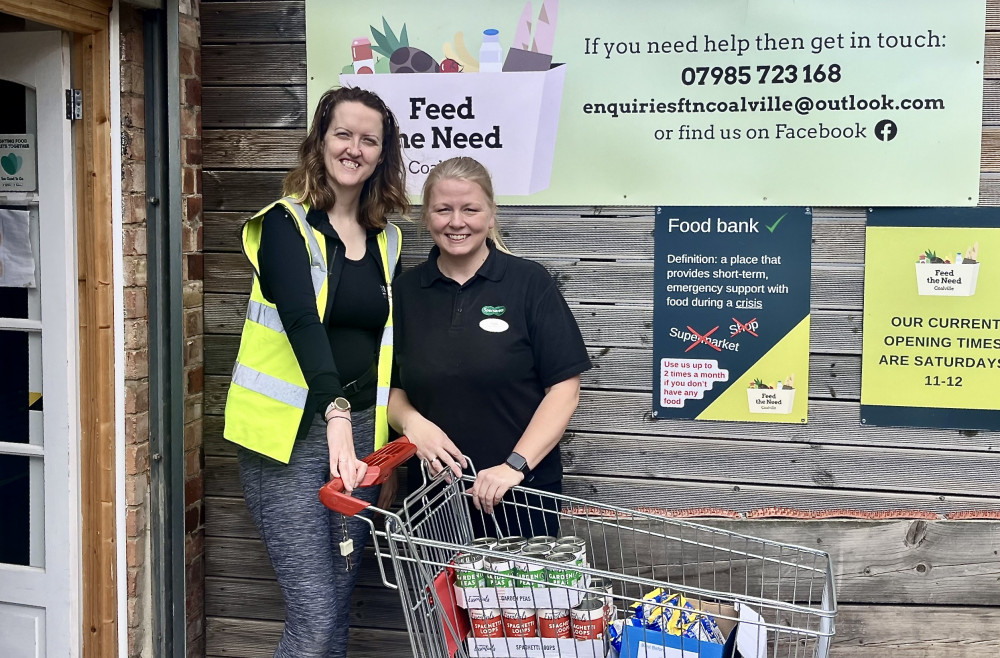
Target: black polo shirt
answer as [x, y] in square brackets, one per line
[475, 359]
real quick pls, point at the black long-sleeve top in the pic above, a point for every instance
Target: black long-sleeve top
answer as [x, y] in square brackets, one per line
[345, 346]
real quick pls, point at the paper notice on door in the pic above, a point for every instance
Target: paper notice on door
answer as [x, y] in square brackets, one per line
[17, 262]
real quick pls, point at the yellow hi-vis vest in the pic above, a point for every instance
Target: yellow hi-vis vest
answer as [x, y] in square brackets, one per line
[268, 393]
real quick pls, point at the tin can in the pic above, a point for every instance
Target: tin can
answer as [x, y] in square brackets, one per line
[516, 543]
[539, 545]
[530, 569]
[564, 574]
[554, 622]
[486, 622]
[588, 619]
[578, 544]
[575, 556]
[469, 571]
[605, 592]
[520, 622]
[484, 542]
[542, 539]
[499, 571]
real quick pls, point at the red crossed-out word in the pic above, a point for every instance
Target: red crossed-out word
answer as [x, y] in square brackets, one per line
[745, 326]
[702, 339]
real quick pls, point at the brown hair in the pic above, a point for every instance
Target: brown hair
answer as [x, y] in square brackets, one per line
[384, 192]
[466, 169]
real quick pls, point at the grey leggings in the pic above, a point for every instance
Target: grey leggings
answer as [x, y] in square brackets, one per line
[303, 538]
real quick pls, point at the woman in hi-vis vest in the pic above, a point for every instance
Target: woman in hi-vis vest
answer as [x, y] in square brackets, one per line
[311, 381]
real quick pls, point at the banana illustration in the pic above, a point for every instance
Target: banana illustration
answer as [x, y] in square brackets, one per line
[461, 54]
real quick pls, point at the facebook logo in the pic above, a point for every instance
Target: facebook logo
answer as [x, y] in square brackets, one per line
[885, 130]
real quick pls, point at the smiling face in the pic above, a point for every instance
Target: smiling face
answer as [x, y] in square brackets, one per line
[352, 146]
[459, 217]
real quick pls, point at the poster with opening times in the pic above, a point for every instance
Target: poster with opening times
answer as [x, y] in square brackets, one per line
[731, 314]
[931, 345]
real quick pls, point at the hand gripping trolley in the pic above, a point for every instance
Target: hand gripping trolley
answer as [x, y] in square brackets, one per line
[576, 578]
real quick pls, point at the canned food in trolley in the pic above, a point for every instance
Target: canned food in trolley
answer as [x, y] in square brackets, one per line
[484, 542]
[530, 569]
[564, 573]
[542, 539]
[575, 556]
[519, 622]
[513, 544]
[486, 622]
[554, 622]
[500, 571]
[469, 570]
[588, 619]
[605, 591]
[577, 544]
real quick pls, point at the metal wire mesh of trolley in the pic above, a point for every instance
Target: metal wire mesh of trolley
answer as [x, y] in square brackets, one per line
[607, 582]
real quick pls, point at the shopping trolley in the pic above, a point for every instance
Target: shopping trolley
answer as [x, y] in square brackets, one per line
[629, 585]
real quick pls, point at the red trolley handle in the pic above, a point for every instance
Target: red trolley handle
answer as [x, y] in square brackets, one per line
[380, 466]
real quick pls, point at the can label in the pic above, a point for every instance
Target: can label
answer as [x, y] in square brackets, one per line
[486, 622]
[530, 574]
[520, 622]
[500, 572]
[469, 571]
[564, 574]
[588, 619]
[554, 622]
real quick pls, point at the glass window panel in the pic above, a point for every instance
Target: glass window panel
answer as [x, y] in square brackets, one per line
[21, 514]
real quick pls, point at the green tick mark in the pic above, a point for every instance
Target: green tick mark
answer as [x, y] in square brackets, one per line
[775, 224]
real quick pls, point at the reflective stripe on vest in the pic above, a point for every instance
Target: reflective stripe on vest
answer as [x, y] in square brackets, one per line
[265, 315]
[272, 387]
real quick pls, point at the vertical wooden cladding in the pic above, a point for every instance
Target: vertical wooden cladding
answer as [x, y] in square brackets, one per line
[88, 21]
[254, 115]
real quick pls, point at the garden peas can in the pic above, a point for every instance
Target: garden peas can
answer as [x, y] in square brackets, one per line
[484, 542]
[469, 571]
[576, 544]
[500, 571]
[530, 569]
[565, 573]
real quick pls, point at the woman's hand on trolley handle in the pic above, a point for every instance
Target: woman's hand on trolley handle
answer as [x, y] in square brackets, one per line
[433, 445]
[492, 484]
[343, 462]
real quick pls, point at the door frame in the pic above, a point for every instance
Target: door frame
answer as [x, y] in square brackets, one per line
[89, 23]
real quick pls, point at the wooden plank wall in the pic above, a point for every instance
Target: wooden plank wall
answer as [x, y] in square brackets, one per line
[914, 584]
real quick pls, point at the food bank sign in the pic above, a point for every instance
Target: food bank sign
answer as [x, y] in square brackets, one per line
[688, 102]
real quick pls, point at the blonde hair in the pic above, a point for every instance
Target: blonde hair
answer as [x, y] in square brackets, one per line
[464, 169]
[383, 193]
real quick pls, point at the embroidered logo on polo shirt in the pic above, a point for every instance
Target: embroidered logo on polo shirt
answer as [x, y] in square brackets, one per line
[494, 310]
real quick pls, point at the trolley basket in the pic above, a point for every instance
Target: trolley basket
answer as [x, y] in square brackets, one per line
[571, 577]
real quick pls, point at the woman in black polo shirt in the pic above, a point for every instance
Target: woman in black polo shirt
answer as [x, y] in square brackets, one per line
[488, 354]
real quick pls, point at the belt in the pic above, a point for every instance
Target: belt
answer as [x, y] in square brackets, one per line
[362, 381]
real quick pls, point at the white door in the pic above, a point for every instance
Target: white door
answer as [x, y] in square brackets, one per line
[39, 408]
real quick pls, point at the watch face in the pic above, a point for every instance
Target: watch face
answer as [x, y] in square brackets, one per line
[341, 404]
[517, 462]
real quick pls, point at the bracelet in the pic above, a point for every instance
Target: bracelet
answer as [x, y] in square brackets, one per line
[332, 417]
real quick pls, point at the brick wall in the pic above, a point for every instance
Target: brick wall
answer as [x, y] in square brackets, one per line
[137, 549]
[194, 373]
[137, 327]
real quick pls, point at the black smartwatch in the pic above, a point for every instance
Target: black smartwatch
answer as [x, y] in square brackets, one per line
[519, 463]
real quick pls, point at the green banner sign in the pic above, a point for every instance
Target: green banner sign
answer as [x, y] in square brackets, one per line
[688, 102]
